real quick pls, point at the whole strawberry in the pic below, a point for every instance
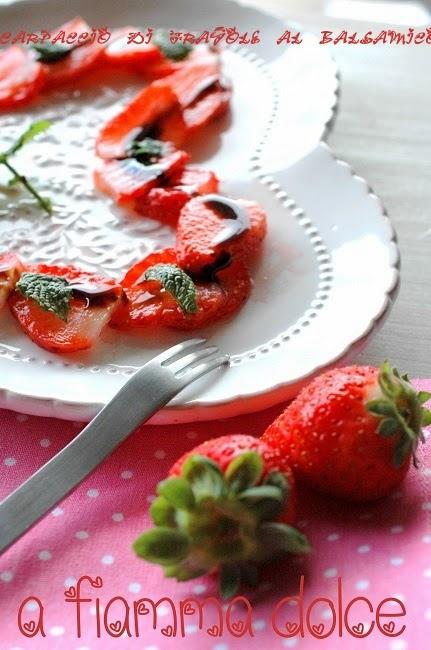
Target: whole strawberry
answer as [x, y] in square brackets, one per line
[352, 432]
[226, 507]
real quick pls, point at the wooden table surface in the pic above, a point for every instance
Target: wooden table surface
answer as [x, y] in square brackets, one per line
[383, 129]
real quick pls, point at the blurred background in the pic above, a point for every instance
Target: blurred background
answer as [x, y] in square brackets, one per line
[383, 130]
[397, 11]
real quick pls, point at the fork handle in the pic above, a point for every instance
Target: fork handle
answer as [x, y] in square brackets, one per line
[135, 403]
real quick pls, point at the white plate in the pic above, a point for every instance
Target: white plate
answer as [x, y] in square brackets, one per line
[330, 266]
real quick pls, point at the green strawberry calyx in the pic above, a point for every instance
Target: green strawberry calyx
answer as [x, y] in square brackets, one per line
[401, 411]
[207, 521]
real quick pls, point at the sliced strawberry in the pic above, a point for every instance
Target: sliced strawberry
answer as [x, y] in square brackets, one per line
[165, 203]
[234, 282]
[21, 77]
[139, 116]
[128, 179]
[133, 56]
[201, 228]
[148, 305]
[90, 310]
[199, 55]
[80, 60]
[10, 270]
[191, 81]
[180, 125]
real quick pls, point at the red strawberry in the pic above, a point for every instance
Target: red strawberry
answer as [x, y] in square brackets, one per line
[352, 431]
[149, 305]
[182, 124]
[130, 179]
[166, 202]
[132, 56]
[10, 270]
[141, 114]
[207, 229]
[80, 60]
[21, 77]
[226, 506]
[199, 55]
[91, 305]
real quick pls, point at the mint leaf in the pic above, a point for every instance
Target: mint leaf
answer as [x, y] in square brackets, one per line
[147, 151]
[51, 52]
[176, 282]
[175, 51]
[51, 292]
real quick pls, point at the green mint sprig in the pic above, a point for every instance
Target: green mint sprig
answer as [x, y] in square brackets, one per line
[51, 292]
[51, 52]
[176, 282]
[17, 178]
[147, 151]
[174, 51]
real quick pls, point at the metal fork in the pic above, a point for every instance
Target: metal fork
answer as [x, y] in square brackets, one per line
[150, 388]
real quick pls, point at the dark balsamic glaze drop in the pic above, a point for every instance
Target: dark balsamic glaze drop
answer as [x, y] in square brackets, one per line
[236, 216]
[94, 294]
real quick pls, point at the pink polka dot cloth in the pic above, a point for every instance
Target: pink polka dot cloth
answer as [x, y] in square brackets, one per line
[363, 555]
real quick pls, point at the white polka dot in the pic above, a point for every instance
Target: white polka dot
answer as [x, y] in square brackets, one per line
[45, 442]
[427, 573]
[400, 597]
[365, 548]
[163, 610]
[57, 630]
[135, 587]
[82, 534]
[362, 585]
[32, 606]
[199, 589]
[57, 512]
[333, 537]
[93, 493]
[426, 539]
[70, 582]
[160, 454]
[83, 647]
[290, 643]
[44, 555]
[330, 573]
[220, 646]
[191, 435]
[191, 629]
[399, 644]
[397, 561]
[107, 559]
[327, 614]
[9, 462]
[151, 647]
[6, 576]
[426, 471]
[259, 625]
[428, 614]
[425, 506]
[126, 474]
[117, 516]
[397, 529]
[22, 418]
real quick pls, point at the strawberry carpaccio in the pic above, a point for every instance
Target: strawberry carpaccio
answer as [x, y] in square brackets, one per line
[144, 167]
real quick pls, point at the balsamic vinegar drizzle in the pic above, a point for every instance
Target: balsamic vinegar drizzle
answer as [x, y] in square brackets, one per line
[236, 216]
